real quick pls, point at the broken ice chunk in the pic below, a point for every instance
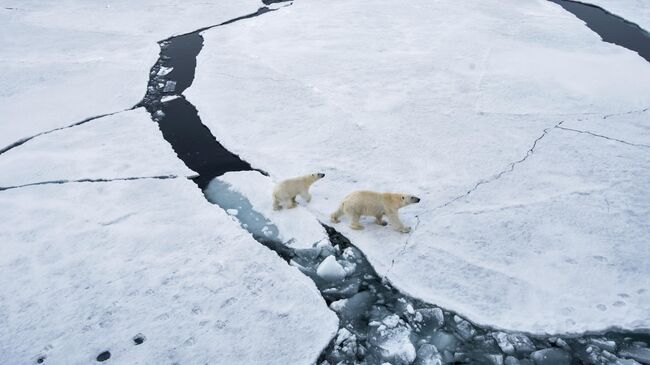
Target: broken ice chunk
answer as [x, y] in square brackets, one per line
[394, 344]
[552, 356]
[170, 86]
[330, 269]
[640, 354]
[164, 71]
[391, 321]
[428, 355]
[444, 341]
[464, 328]
[168, 98]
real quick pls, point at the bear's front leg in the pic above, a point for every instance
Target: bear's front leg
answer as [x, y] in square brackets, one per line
[379, 220]
[305, 196]
[394, 220]
[276, 203]
[354, 222]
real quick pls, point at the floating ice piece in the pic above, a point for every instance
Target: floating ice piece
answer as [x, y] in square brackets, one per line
[552, 356]
[164, 71]
[391, 321]
[170, 86]
[167, 98]
[464, 328]
[444, 341]
[514, 342]
[330, 269]
[640, 354]
[394, 344]
[428, 355]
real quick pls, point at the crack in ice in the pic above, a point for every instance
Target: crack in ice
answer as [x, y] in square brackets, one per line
[500, 174]
[97, 180]
[604, 137]
[22, 141]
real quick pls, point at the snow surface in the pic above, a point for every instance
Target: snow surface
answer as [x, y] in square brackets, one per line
[65, 61]
[635, 11]
[87, 266]
[434, 99]
[123, 145]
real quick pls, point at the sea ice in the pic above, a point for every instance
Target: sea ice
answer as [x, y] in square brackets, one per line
[98, 263]
[123, 145]
[66, 62]
[545, 241]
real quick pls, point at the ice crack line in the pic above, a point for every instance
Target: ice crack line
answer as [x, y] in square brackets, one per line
[605, 137]
[507, 170]
[403, 250]
[100, 180]
[27, 139]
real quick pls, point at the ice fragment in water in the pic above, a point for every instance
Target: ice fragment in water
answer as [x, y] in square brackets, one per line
[164, 71]
[330, 269]
[428, 355]
[170, 86]
[464, 328]
[551, 356]
[640, 354]
[394, 344]
[444, 341]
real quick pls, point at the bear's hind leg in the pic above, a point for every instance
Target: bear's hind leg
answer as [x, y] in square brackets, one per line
[292, 202]
[354, 222]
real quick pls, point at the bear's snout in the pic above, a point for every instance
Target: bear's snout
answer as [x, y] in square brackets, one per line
[321, 175]
[415, 199]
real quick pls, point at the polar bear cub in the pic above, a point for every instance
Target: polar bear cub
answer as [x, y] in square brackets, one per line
[285, 191]
[374, 204]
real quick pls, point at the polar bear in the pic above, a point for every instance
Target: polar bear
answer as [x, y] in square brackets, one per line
[287, 190]
[374, 204]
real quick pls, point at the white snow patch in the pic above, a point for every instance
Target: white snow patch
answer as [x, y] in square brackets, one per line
[126, 144]
[97, 263]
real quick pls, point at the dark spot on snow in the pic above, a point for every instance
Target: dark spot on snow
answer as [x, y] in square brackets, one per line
[610, 27]
[104, 356]
[40, 359]
[269, 2]
[139, 339]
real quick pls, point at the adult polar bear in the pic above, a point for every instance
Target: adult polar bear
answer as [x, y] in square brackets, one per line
[374, 204]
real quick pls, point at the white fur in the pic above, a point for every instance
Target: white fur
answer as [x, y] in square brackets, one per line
[374, 204]
[285, 192]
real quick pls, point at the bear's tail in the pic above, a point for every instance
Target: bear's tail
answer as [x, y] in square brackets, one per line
[336, 215]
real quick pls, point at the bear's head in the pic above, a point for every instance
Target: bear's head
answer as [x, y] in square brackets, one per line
[317, 176]
[406, 199]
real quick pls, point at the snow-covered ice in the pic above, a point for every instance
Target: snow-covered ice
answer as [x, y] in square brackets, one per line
[88, 266]
[123, 145]
[365, 88]
[63, 62]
